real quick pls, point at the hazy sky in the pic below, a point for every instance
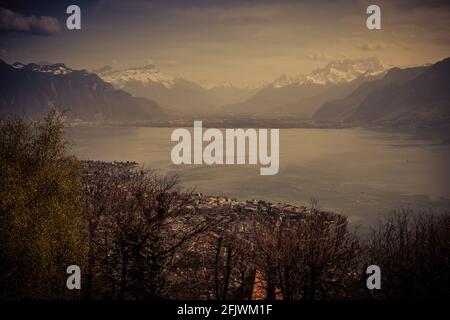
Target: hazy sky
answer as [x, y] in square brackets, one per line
[243, 42]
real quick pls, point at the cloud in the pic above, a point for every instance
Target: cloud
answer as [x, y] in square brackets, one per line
[16, 22]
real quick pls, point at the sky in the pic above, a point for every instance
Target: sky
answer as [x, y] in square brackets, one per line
[241, 42]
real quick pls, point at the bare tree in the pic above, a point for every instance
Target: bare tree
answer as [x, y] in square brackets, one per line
[313, 256]
[138, 223]
[413, 252]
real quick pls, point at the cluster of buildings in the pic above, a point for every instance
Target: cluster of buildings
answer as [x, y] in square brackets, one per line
[114, 168]
[204, 203]
[243, 214]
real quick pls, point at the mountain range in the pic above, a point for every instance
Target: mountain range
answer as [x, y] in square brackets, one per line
[410, 96]
[175, 94]
[304, 94]
[353, 92]
[31, 90]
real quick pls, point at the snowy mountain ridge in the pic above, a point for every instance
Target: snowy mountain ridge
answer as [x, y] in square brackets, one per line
[334, 72]
[145, 75]
[56, 69]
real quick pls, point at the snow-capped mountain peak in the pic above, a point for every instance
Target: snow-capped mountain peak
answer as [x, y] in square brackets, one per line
[284, 80]
[145, 74]
[56, 69]
[334, 72]
[18, 65]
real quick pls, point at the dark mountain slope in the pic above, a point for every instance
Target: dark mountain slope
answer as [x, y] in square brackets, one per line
[424, 99]
[343, 109]
[31, 90]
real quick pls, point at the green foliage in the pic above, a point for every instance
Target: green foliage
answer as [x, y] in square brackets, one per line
[40, 209]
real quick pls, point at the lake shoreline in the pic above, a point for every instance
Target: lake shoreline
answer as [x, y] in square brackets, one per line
[437, 132]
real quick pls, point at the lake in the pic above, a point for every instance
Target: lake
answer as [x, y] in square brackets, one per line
[356, 172]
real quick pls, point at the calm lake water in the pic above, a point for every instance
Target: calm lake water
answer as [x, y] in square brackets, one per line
[356, 172]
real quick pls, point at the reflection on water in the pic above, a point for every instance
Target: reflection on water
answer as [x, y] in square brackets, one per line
[356, 172]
